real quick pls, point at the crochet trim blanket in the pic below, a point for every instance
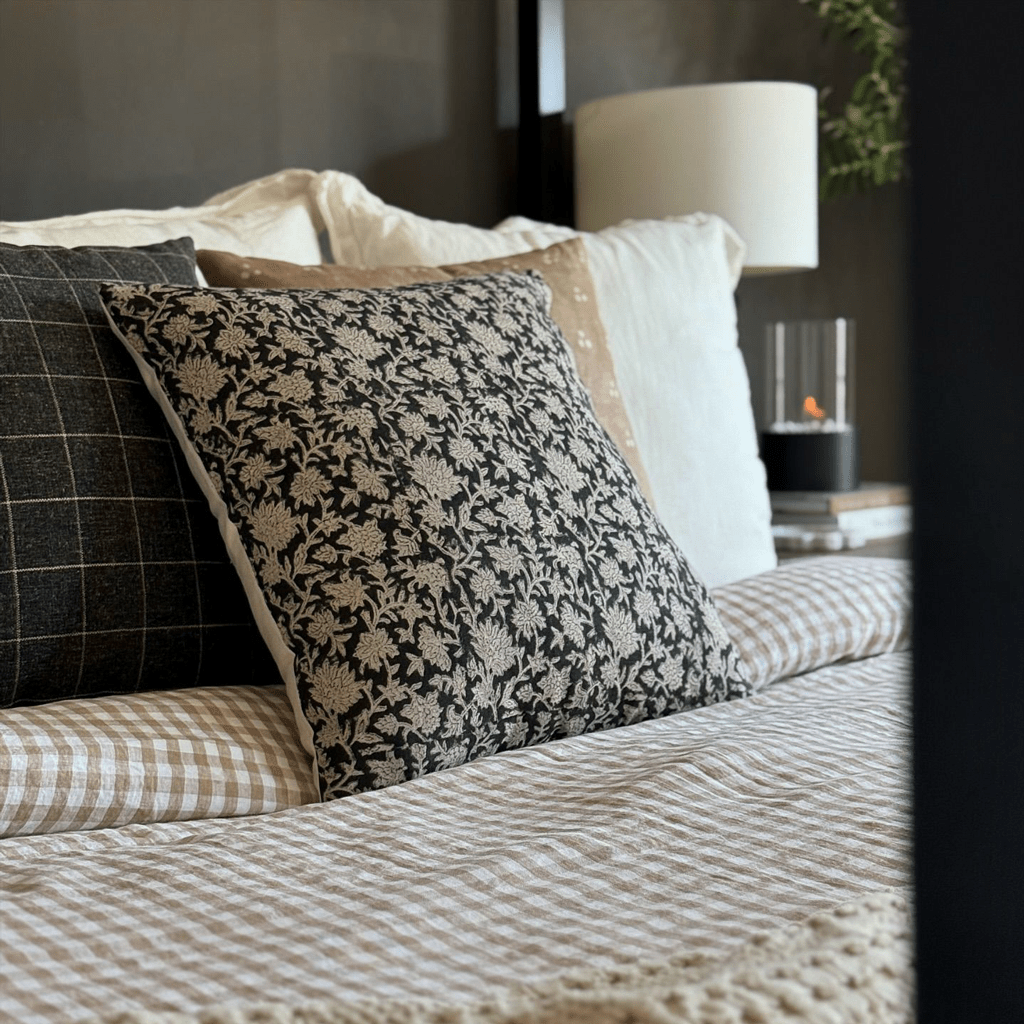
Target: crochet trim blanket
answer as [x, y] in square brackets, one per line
[849, 965]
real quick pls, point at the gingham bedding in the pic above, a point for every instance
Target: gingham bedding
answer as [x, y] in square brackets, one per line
[223, 752]
[684, 833]
[149, 757]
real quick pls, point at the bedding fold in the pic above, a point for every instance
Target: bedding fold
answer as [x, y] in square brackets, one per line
[226, 751]
[601, 850]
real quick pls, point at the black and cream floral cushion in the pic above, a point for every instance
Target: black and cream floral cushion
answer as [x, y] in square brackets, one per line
[113, 577]
[446, 541]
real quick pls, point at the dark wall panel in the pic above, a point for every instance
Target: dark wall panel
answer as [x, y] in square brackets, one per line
[152, 103]
[159, 102]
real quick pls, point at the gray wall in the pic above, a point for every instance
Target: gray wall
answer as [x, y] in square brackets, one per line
[109, 103]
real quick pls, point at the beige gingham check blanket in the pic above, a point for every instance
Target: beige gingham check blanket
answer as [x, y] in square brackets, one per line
[688, 833]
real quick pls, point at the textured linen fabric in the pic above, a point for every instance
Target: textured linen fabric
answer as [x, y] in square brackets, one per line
[443, 537]
[112, 576]
[690, 832]
[573, 308]
[817, 611]
[665, 295]
[273, 216]
[364, 231]
[800, 974]
[212, 752]
[221, 751]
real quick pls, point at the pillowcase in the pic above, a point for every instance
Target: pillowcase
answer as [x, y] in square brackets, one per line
[665, 295]
[443, 548]
[140, 758]
[364, 231]
[273, 216]
[112, 575]
[812, 612]
[564, 267]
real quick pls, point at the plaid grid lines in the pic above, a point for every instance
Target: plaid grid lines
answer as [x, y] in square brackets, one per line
[113, 577]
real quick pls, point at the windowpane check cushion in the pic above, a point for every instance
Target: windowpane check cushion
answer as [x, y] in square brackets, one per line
[439, 532]
[113, 578]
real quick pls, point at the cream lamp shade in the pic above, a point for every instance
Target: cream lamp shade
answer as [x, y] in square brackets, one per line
[747, 151]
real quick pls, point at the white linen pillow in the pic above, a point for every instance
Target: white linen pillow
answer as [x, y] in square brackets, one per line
[364, 231]
[273, 217]
[665, 294]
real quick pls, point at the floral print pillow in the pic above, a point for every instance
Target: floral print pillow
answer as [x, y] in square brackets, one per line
[454, 553]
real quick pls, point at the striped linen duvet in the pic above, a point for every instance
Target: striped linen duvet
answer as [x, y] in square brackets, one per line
[687, 833]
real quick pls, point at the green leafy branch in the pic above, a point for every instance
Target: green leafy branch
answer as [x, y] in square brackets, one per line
[867, 143]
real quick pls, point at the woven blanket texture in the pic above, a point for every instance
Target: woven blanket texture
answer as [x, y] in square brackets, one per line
[850, 965]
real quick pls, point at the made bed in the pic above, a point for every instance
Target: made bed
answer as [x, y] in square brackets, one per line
[579, 775]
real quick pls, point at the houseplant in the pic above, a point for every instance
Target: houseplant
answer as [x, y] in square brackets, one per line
[865, 142]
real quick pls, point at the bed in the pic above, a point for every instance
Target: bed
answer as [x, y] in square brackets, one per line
[699, 810]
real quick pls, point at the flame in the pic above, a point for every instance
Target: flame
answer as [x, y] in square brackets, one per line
[811, 406]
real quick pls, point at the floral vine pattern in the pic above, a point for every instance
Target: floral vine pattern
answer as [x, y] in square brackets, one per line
[454, 551]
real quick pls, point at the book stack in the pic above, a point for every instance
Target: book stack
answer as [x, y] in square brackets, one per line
[836, 521]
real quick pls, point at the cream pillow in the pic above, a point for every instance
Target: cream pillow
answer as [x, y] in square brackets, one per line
[364, 231]
[665, 293]
[273, 217]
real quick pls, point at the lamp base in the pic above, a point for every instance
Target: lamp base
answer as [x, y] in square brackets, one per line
[825, 461]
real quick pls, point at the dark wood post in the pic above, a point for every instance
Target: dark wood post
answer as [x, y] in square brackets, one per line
[544, 163]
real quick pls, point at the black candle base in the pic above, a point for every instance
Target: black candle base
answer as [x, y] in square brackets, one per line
[825, 461]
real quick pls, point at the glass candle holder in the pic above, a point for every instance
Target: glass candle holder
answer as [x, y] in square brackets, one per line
[810, 441]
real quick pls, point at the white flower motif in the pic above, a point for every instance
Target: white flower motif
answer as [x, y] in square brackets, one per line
[611, 572]
[374, 648]
[201, 377]
[233, 341]
[278, 435]
[434, 647]
[620, 629]
[334, 687]
[272, 524]
[255, 469]
[295, 387]
[200, 302]
[494, 647]
[307, 485]
[527, 618]
[435, 476]
[365, 539]
[348, 593]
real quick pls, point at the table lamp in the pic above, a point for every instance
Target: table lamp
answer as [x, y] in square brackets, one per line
[747, 151]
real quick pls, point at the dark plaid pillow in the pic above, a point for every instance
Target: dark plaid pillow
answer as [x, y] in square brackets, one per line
[113, 576]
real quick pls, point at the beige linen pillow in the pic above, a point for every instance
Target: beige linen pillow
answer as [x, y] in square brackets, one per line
[573, 308]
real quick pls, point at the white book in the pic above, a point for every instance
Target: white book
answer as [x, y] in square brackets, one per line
[824, 537]
[883, 521]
